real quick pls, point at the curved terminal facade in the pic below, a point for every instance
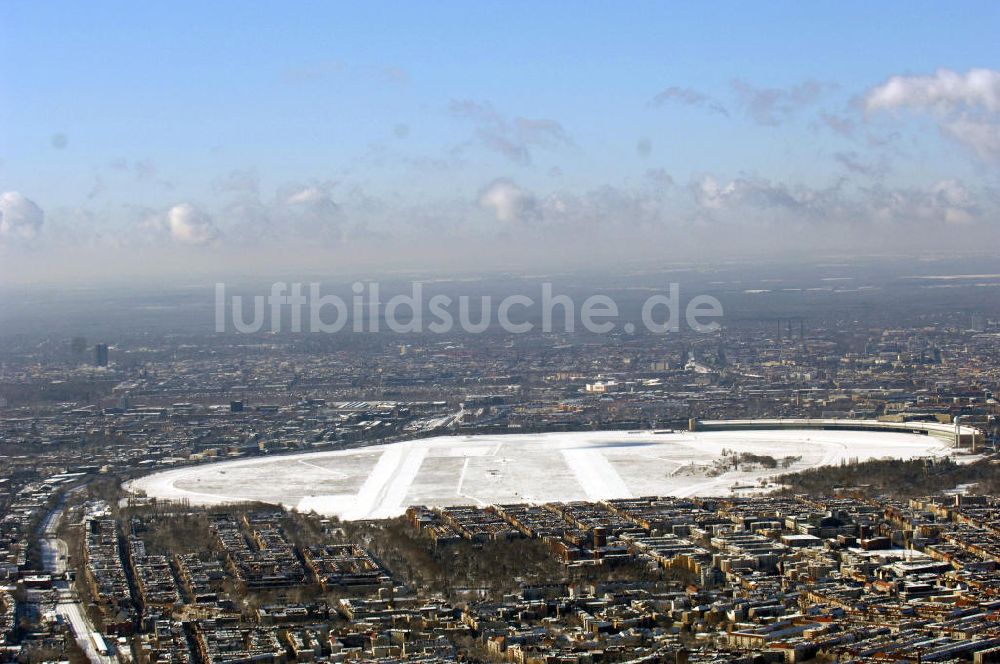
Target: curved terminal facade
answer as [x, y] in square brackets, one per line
[383, 480]
[959, 435]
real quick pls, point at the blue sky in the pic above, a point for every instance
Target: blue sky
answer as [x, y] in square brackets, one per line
[375, 126]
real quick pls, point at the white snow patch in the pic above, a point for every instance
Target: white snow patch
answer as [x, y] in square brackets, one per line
[381, 481]
[595, 474]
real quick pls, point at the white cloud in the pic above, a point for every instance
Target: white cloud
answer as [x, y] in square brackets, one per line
[312, 210]
[20, 217]
[308, 196]
[945, 90]
[711, 194]
[948, 202]
[982, 136]
[609, 210]
[185, 224]
[965, 106]
[507, 201]
[708, 193]
[747, 201]
[956, 203]
[297, 212]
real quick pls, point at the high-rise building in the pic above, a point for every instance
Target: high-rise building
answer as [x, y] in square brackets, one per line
[101, 355]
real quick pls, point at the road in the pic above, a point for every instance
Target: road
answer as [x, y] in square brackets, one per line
[54, 550]
[68, 606]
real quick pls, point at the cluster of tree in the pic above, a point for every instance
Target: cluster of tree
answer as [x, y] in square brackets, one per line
[735, 460]
[51, 650]
[171, 534]
[902, 479]
[493, 568]
[762, 460]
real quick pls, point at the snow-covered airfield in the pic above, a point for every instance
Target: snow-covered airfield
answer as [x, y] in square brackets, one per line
[381, 481]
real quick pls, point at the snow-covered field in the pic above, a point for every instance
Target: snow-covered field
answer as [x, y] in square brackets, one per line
[381, 481]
